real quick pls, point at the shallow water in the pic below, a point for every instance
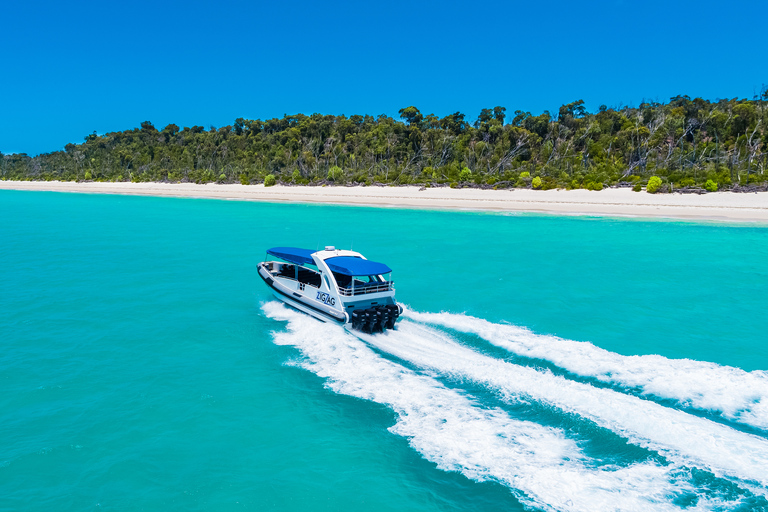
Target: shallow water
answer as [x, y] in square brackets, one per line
[556, 363]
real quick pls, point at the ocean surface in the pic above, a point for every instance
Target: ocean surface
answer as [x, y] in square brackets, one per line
[543, 363]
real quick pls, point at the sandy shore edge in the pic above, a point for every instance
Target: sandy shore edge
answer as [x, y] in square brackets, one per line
[723, 206]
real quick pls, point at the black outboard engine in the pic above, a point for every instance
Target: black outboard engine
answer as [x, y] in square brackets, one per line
[375, 319]
[356, 319]
[393, 311]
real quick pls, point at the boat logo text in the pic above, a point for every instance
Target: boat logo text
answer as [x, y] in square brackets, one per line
[326, 299]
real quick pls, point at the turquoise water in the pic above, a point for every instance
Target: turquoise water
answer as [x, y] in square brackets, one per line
[554, 363]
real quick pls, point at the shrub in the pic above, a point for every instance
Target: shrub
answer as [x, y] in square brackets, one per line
[244, 179]
[525, 174]
[403, 179]
[723, 178]
[454, 185]
[465, 174]
[549, 183]
[710, 186]
[638, 187]
[88, 175]
[536, 183]
[222, 177]
[653, 185]
[450, 171]
[269, 180]
[296, 175]
[593, 185]
[335, 173]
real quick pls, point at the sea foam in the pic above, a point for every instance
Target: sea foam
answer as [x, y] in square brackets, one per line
[690, 440]
[732, 393]
[540, 464]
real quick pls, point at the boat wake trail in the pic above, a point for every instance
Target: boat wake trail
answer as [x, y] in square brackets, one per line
[732, 393]
[414, 369]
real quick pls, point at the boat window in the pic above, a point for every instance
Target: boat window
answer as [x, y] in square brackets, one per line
[368, 279]
[342, 280]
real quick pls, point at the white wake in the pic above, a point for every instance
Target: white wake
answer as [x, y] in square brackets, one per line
[542, 466]
[733, 393]
[688, 439]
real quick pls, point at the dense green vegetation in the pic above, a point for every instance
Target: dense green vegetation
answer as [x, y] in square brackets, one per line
[686, 143]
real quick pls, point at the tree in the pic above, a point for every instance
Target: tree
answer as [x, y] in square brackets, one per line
[411, 115]
[538, 124]
[454, 123]
[484, 118]
[744, 117]
[572, 110]
[520, 117]
[239, 126]
[498, 114]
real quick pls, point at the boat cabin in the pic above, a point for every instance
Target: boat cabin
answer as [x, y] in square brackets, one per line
[352, 274]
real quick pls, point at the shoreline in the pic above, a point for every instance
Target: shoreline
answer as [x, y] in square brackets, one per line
[716, 206]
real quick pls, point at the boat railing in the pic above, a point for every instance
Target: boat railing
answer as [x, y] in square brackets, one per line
[363, 289]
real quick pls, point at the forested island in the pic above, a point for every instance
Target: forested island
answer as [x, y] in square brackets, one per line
[683, 145]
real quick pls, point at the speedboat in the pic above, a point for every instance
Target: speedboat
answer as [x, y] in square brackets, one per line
[334, 285]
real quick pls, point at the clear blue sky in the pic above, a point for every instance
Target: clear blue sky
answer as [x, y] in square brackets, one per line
[69, 69]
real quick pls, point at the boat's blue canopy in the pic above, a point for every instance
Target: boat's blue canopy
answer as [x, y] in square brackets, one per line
[293, 254]
[354, 266]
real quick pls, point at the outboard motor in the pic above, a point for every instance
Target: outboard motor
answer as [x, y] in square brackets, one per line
[375, 319]
[370, 323]
[392, 313]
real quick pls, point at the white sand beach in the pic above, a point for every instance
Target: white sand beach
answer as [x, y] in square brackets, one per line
[725, 206]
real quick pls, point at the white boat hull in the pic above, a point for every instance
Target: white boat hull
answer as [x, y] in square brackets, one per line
[303, 308]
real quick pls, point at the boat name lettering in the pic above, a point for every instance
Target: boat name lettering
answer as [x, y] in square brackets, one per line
[326, 299]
